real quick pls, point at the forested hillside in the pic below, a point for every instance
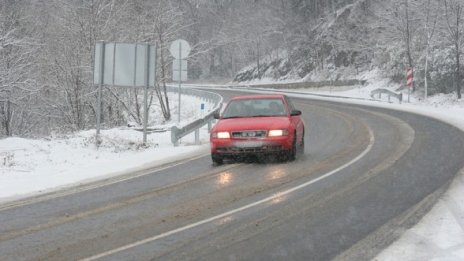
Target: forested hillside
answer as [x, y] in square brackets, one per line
[367, 34]
[47, 48]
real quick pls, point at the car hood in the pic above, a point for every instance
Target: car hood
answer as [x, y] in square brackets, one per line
[254, 123]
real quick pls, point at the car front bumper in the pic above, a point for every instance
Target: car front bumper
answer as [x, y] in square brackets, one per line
[253, 147]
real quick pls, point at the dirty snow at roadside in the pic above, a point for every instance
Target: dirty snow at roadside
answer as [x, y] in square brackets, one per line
[38, 165]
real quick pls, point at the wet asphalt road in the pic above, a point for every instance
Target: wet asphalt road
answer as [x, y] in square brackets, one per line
[237, 211]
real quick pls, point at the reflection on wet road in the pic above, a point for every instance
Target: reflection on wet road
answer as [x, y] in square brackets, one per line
[224, 179]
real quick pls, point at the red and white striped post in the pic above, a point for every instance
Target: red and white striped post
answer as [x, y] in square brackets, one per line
[409, 80]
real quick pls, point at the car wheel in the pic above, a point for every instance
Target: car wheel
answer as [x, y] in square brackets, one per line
[302, 145]
[218, 160]
[291, 154]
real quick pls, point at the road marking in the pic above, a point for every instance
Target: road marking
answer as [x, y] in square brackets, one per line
[133, 200]
[237, 210]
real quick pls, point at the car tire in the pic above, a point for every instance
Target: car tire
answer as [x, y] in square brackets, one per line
[302, 145]
[291, 154]
[218, 160]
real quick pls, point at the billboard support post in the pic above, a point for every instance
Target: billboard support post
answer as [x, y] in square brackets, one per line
[145, 94]
[180, 80]
[100, 86]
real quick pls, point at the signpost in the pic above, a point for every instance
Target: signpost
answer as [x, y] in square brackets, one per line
[409, 80]
[179, 70]
[180, 49]
[124, 65]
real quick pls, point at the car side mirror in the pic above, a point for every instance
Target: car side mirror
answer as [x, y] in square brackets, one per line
[296, 113]
[216, 116]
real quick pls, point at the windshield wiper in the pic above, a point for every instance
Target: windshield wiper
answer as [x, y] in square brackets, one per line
[233, 117]
[263, 116]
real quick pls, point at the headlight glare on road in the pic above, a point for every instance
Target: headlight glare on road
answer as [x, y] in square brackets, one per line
[277, 133]
[221, 135]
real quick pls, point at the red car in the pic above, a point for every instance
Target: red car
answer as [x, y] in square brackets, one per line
[257, 125]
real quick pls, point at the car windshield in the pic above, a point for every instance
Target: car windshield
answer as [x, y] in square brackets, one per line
[265, 107]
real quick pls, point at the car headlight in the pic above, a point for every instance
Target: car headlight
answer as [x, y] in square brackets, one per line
[277, 133]
[221, 135]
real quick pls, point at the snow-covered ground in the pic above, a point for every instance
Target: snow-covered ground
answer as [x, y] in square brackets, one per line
[34, 166]
[29, 166]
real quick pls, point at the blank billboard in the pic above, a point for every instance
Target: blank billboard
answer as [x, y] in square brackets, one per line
[125, 64]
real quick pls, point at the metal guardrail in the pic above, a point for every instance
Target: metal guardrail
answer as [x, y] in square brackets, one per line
[301, 85]
[177, 133]
[380, 91]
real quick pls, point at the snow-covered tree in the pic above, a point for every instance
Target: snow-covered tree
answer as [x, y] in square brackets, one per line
[18, 87]
[70, 39]
[430, 22]
[454, 11]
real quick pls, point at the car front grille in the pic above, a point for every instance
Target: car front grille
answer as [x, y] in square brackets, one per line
[249, 134]
[240, 150]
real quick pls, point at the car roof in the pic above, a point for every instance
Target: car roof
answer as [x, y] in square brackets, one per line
[260, 96]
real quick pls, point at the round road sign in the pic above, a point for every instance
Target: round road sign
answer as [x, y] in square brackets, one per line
[180, 49]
